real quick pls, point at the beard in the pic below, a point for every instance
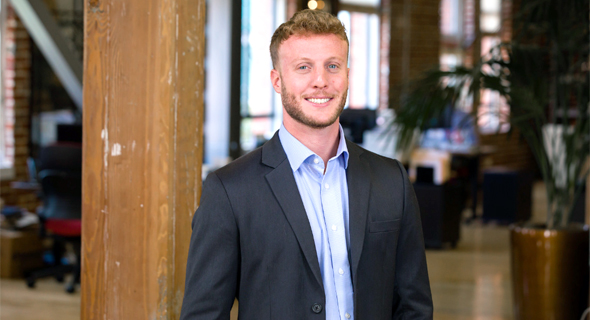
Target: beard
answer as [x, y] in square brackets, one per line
[295, 110]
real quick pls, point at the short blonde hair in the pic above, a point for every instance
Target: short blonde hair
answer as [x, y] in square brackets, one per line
[306, 22]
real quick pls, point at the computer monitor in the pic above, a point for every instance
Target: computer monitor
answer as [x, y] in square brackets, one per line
[355, 121]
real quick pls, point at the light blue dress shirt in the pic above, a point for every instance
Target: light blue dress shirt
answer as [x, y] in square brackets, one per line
[325, 198]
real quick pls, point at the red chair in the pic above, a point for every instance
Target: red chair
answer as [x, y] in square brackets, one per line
[61, 182]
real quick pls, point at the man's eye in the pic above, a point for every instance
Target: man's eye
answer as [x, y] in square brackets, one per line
[332, 66]
[303, 67]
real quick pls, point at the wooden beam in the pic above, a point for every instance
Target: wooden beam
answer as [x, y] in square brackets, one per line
[143, 99]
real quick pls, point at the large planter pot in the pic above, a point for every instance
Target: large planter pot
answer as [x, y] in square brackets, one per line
[549, 272]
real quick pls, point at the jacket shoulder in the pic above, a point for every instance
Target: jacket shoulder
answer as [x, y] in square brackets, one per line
[242, 168]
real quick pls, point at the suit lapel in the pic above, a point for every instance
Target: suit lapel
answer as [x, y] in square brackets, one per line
[283, 185]
[359, 186]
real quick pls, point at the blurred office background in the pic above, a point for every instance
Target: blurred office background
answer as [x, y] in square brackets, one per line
[464, 163]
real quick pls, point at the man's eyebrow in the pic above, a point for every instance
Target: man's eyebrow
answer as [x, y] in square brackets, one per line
[334, 58]
[305, 59]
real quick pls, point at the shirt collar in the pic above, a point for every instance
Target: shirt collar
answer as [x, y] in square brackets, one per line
[297, 153]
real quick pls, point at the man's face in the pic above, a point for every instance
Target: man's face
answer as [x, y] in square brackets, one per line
[312, 79]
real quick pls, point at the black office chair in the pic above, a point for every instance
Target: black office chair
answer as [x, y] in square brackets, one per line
[61, 217]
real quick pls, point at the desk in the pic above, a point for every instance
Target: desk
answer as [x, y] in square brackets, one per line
[25, 185]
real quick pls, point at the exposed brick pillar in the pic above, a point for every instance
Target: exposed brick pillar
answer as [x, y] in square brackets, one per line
[414, 43]
[507, 16]
[471, 38]
[17, 89]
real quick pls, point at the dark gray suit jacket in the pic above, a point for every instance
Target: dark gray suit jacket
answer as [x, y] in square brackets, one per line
[252, 241]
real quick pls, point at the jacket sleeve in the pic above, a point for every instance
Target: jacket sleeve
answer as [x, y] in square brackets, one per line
[212, 269]
[411, 280]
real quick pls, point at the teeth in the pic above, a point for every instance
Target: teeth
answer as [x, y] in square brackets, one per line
[319, 101]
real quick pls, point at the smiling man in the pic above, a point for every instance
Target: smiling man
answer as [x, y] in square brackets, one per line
[310, 225]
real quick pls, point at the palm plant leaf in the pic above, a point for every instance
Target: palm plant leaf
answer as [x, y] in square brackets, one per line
[543, 75]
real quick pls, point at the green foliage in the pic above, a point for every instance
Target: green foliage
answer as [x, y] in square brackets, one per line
[543, 75]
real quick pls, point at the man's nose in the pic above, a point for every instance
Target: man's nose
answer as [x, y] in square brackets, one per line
[320, 78]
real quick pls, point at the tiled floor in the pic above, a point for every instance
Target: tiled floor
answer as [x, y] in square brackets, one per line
[469, 282]
[473, 280]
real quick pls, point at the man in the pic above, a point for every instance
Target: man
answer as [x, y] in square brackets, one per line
[309, 226]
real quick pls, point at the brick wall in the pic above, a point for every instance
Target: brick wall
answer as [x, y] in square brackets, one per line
[507, 16]
[17, 93]
[471, 41]
[414, 43]
[511, 151]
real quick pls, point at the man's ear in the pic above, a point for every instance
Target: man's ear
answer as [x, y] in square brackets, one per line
[275, 79]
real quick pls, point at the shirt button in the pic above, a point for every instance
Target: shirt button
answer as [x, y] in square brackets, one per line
[316, 161]
[341, 271]
[327, 186]
[334, 227]
[347, 315]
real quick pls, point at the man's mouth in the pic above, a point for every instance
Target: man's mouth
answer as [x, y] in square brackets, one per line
[318, 100]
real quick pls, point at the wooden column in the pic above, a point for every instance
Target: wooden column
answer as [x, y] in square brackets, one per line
[143, 114]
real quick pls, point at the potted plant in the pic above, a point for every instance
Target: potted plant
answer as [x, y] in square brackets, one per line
[543, 77]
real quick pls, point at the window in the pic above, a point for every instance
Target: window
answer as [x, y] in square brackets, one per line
[260, 106]
[450, 18]
[363, 33]
[490, 16]
[363, 27]
[493, 109]
[457, 35]
[451, 30]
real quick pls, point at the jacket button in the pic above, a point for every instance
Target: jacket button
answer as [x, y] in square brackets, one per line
[316, 308]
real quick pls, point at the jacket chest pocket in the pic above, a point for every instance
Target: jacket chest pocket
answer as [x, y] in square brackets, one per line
[384, 226]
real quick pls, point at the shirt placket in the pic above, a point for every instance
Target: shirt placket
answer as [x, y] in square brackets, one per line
[334, 219]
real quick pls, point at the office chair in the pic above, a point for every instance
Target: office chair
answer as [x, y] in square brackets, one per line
[61, 182]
